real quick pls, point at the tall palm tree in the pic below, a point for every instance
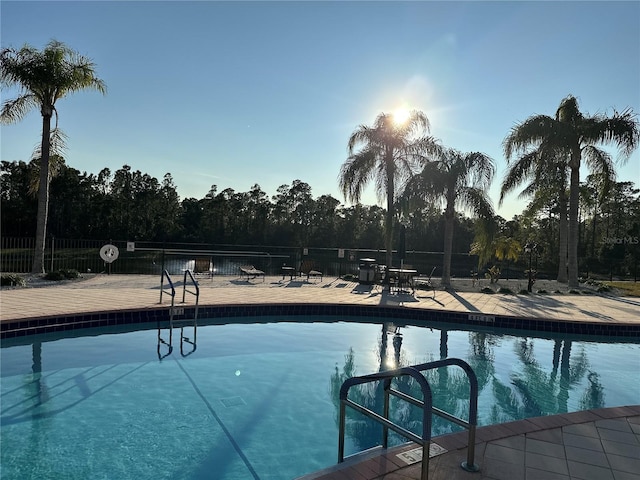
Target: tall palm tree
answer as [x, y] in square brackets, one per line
[43, 77]
[390, 151]
[454, 179]
[546, 171]
[577, 136]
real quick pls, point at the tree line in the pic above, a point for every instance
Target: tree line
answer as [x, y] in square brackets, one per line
[131, 205]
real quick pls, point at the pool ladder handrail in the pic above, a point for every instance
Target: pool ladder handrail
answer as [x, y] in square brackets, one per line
[196, 293]
[172, 311]
[426, 404]
[165, 274]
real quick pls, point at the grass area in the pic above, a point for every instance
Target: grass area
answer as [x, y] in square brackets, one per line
[628, 289]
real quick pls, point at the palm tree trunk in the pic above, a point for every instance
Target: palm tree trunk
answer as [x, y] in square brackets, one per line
[388, 227]
[562, 238]
[448, 242]
[574, 191]
[593, 232]
[563, 388]
[444, 349]
[43, 198]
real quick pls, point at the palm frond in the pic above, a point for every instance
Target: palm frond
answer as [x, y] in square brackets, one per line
[621, 130]
[481, 169]
[600, 163]
[517, 173]
[528, 134]
[356, 172]
[57, 144]
[15, 110]
[476, 201]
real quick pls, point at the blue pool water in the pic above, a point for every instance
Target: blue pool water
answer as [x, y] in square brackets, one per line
[257, 400]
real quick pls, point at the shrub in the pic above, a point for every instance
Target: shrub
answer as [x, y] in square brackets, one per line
[493, 274]
[487, 290]
[542, 291]
[603, 288]
[558, 292]
[505, 290]
[62, 274]
[573, 291]
[12, 280]
[523, 291]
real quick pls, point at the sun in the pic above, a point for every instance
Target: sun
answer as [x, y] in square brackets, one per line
[401, 115]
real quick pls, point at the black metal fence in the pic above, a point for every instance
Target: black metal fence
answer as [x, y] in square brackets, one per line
[16, 255]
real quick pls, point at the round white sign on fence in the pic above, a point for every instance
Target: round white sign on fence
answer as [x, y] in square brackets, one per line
[109, 253]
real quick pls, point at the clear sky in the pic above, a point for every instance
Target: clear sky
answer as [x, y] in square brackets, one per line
[239, 93]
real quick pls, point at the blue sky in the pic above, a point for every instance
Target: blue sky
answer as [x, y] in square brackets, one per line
[239, 93]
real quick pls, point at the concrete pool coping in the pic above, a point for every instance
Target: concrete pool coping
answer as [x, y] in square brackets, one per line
[528, 449]
[108, 293]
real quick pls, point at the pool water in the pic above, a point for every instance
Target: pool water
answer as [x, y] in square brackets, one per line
[258, 400]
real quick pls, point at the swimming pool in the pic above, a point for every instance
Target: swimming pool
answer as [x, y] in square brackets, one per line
[257, 400]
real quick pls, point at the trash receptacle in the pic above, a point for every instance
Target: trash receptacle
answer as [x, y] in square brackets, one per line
[367, 270]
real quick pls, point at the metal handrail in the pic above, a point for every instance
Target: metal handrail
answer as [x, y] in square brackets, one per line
[426, 405]
[470, 425]
[387, 376]
[183, 339]
[185, 290]
[172, 292]
[162, 290]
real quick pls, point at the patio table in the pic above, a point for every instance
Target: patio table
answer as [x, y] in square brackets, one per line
[404, 278]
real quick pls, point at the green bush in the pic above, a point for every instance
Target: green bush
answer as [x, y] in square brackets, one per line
[62, 274]
[505, 290]
[573, 291]
[542, 291]
[523, 291]
[487, 290]
[493, 274]
[12, 280]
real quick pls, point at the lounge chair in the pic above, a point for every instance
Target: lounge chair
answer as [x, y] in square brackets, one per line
[423, 282]
[203, 266]
[308, 268]
[251, 272]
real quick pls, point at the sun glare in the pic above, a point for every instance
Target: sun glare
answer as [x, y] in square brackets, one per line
[401, 115]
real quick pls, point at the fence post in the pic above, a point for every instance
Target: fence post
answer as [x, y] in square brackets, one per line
[53, 240]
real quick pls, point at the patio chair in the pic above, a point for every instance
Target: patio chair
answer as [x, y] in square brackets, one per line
[309, 268]
[203, 266]
[423, 282]
[251, 272]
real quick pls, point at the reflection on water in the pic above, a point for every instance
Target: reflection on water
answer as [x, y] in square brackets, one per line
[535, 386]
[188, 345]
[134, 405]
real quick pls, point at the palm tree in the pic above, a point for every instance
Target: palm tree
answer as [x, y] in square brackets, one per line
[457, 180]
[575, 135]
[43, 77]
[389, 154]
[547, 173]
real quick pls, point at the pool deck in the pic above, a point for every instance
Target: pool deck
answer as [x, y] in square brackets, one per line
[595, 444]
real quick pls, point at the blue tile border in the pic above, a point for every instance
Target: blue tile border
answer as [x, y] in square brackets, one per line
[25, 327]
